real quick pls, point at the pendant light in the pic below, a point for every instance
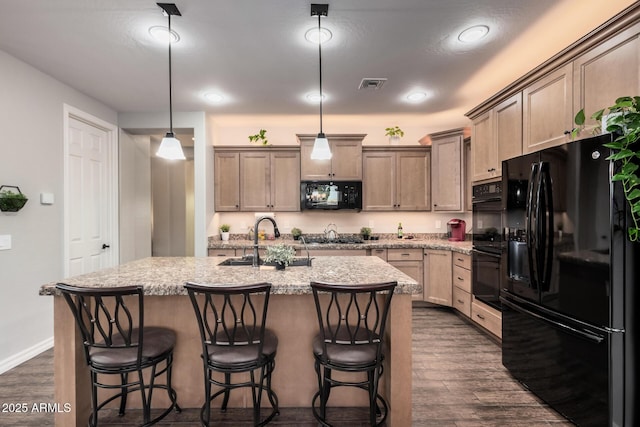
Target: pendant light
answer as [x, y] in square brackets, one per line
[170, 147]
[321, 150]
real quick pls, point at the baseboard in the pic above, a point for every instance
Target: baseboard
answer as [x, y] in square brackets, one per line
[31, 352]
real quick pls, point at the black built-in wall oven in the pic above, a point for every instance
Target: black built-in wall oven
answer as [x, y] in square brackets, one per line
[488, 244]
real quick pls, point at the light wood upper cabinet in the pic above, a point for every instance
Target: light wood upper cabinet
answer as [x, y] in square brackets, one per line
[547, 110]
[483, 147]
[496, 136]
[508, 127]
[227, 182]
[447, 171]
[344, 165]
[468, 175]
[605, 73]
[438, 277]
[270, 181]
[396, 179]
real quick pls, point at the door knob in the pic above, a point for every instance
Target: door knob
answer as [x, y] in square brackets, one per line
[105, 246]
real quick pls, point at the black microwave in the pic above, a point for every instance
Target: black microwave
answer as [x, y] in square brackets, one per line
[331, 195]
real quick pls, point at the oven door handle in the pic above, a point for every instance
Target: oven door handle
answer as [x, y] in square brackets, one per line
[491, 254]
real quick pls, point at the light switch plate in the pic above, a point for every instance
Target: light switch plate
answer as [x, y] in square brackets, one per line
[5, 242]
[438, 224]
[46, 198]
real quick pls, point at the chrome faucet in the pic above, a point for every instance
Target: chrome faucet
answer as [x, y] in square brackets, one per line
[306, 248]
[276, 233]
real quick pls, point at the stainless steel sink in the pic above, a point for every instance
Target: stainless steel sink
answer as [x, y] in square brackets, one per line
[297, 262]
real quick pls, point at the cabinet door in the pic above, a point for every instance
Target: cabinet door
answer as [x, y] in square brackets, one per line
[508, 128]
[255, 192]
[379, 182]
[547, 110]
[483, 147]
[605, 73]
[346, 162]
[312, 170]
[413, 181]
[285, 181]
[446, 173]
[227, 181]
[437, 277]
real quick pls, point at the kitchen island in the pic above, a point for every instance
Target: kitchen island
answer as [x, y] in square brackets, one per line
[291, 315]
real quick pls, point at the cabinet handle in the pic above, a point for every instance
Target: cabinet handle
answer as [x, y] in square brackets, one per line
[480, 316]
[460, 278]
[237, 206]
[460, 259]
[460, 301]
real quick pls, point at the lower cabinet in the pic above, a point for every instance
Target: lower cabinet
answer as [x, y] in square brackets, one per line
[462, 283]
[487, 317]
[334, 252]
[437, 277]
[409, 261]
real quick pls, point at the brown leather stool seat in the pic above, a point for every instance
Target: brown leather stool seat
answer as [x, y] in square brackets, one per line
[352, 320]
[113, 345]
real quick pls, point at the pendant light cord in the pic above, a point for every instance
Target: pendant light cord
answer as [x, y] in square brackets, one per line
[320, 62]
[170, 94]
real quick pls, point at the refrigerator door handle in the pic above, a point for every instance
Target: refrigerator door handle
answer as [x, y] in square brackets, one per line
[583, 334]
[529, 221]
[547, 225]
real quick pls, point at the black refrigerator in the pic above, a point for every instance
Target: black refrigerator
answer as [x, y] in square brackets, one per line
[569, 289]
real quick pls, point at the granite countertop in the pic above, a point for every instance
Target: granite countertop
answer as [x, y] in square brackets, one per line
[419, 243]
[166, 276]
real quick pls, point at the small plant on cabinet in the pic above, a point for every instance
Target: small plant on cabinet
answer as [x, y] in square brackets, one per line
[261, 136]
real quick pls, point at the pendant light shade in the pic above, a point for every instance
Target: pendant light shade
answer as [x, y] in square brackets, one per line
[321, 149]
[170, 147]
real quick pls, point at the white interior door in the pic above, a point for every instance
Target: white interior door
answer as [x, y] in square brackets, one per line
[90, 196]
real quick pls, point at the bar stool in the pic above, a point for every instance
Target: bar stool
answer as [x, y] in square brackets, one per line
[352, 320]
[113, 345]
[231, 320]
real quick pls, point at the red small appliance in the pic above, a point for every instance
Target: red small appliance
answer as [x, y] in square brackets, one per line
[456, 230]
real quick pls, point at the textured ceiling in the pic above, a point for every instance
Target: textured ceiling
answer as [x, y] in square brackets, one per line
[254, 52]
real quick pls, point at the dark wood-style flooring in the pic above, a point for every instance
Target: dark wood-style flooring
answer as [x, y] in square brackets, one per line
[458, 380]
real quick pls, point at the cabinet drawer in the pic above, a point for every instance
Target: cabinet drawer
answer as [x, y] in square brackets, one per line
[487, 317]
[380, 253]
[462, 278]
[404, 254]
[222, 252]
[462, 260]
[462, 301]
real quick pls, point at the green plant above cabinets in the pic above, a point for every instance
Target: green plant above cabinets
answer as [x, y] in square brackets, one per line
[623, 120]
[394, 131]
[261, 137]
[10, 201]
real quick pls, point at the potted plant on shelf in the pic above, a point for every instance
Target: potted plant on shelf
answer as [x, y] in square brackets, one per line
[10, 201]
[394, 134]
[261, 136]
[365, 232]
[623, 120]
[281, 255]
[296, 233]
[224, 232]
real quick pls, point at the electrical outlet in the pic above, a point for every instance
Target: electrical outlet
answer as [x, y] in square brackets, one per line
[5, 242]
[371, 223]
[438, 224]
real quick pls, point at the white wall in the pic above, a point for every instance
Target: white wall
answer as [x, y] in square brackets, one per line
[31, 157]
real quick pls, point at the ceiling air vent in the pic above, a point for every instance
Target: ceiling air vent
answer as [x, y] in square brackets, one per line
[371, 83]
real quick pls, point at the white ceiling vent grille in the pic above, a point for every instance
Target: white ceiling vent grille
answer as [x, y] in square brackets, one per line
[369, 83]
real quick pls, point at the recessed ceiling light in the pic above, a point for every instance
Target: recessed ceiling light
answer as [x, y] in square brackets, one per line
[417, 96]
[163, 35]
[315, 35]
[213, 97]
[314, 98]
[473, 34]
